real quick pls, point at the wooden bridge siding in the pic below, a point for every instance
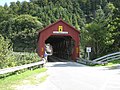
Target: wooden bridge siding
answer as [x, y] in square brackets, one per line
[47, 32]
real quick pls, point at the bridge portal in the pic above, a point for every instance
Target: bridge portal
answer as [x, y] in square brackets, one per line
[63, 38]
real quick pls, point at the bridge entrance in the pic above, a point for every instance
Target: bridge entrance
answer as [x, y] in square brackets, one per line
[63, 46]
[63, 38]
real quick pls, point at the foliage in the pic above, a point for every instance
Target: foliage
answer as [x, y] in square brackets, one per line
[99, 34]
[115, 28]
[22, 30]
[24, 33]
[18, 58]
[5, 50]
[97, 20]
[21, 58]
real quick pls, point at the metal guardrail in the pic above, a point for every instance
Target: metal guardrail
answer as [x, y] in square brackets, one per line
[13, 69]
[102, 60]
[109, 57]
[85, 61]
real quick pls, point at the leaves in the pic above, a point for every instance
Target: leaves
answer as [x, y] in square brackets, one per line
[97, 20]
[5, 50]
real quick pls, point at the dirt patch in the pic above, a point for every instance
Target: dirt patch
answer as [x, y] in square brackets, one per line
[32, 82]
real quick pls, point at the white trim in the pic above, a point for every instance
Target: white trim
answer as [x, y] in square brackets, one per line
[57, 32]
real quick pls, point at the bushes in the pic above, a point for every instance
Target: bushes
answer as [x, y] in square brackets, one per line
[8, 58]
[5, 50]
[21, 58]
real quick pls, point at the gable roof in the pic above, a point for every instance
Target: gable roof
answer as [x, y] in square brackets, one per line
[60, 20]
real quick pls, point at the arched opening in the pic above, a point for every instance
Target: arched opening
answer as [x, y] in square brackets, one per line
[63, 46]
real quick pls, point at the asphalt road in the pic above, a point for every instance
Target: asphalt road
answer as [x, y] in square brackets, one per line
[74, 76]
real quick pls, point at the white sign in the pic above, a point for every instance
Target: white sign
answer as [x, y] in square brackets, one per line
[88, 49]
[57, 32]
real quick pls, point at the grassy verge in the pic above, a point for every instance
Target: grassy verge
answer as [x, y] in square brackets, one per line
[111, 63]
[43, 78]
[10, 82]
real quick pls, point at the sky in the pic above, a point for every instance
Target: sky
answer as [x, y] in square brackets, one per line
[2, 2]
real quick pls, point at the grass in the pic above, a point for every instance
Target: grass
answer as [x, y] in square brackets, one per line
[35, 81]
[43, 78]
[10, 82]
[111, 63]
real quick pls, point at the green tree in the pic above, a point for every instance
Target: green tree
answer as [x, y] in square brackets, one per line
[89, 16]
[25, 8]
[100, 36]
[14, 8]
[5, 50]
[115, 28]
[22, 30]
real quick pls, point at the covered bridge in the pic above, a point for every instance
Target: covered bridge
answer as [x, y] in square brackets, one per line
[64, 39]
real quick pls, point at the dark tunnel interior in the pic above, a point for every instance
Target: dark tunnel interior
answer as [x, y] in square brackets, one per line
[62, 46]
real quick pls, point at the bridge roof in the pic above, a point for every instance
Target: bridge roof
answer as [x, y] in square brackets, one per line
[60, 20]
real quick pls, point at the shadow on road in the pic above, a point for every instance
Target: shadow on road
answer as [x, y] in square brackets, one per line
[66, 64]
[114, 67]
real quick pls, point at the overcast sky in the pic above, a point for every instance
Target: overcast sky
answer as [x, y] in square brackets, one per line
[2, 2]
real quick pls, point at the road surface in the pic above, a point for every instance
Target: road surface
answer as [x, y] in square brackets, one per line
[74, 76]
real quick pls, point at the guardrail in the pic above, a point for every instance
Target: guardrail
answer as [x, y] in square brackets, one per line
[17, 68]
[85, 61]
[107, 58]
[102, 60]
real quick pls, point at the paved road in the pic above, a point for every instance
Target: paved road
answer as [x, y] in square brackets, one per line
[73, 76]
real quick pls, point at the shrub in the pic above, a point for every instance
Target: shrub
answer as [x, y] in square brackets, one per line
[8, 58]
[21, 58]
[5, 50]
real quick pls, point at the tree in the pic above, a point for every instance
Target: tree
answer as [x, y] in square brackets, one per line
[14, 8]
[5, 50]
[115, 29]
[89, 16]
[100, 36]
[3, 14]
[25, 8]
[22, 30]
[6, 6]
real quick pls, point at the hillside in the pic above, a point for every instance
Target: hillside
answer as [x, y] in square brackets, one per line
[97, 20]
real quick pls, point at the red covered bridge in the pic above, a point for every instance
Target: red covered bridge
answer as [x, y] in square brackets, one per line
[63, 38]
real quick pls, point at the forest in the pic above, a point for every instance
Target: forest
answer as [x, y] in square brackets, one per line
[97, 20]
